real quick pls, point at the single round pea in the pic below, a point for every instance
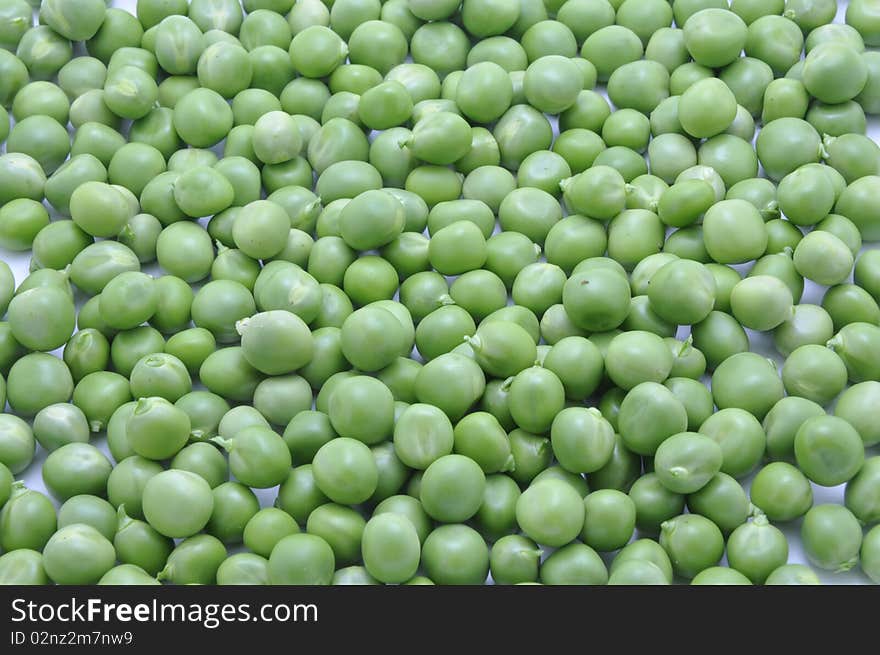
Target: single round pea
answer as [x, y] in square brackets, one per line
[868, 554]
[130, 92]
[90, 510]
[809, 324]
[648, 415]
[195, 561]
[537, 395]
[637, 356]
[756, 549]
[165, 491]
[814, 372]
[391, 548]
[452, 488]
[761, 302]
[23, 566]
[824, 258]
[341, 527]
[514, 559]
[225, 68]
[42, 318]
[202, 118]
[723, 501]
[279, 399]
[481, 437]
[695, 397]
[267, 334]
[852, 343]
[78, 554]
[456, 554]
[578, 364]
[693, 107]
[781, 491]
[687, 360]
[75, 469]
[720, 575]
[734, 232]
[834, 73]
[795, 137]
[747, 381]
[258, 457]
[17, 444]
[137, 543]
[345, 470]
[740, 436]
[36, 381]
[793, 574]
[550, 512]
[831, 537]
[20, 222]
[693, 543]
[234, 505]
[362, 408]
[854, 406]
[266, 528]
[243, 569]
[828, 450]
[575, 563]
[609, 520]
[27, 520]
[637, 572]
[654, 503]
[157, 429]
[301, 559]
[686, 462]
[204, 460]
[719, 336]
[682, 292]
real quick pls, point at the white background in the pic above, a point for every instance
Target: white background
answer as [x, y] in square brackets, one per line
[760, 343]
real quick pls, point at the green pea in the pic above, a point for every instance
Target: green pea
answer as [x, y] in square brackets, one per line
[831, 537]
[23, 566]
[655, 504]
[693, 543]
[481, 437]
[685, 462]
[802, 379]
[648, 415]
[648, 551]
[740, 436]
[781, 491]
[637, 356]
[828, 450]
[204, 460]
[36, 381]
[78, 554]
[575, 563]
[301, 559]
[391, 548]
[797, 138]
[164, 491]
[723, 501]
[609, 520]
[456, 554]
[850, 343]
[550, 512]
[195, 560]
[76, 468]
[514, 559]
[688, 361]
[234, 505]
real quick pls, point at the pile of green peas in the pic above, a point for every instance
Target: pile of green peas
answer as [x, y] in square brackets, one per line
[438, 292]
